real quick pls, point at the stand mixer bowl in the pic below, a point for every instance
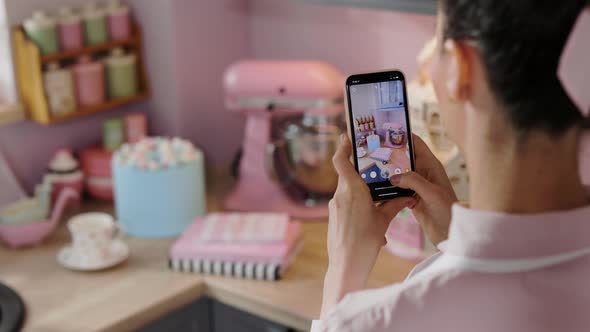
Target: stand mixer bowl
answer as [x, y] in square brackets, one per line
[397, 136]
[302, 156]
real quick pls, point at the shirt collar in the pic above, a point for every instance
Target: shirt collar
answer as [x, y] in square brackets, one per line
[496, 235]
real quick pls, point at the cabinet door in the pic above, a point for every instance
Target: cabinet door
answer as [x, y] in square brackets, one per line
[391, 94]
[195, 317]
[414, 6]
[228, 319]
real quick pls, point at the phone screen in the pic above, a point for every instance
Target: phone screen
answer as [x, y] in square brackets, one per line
[380, 131]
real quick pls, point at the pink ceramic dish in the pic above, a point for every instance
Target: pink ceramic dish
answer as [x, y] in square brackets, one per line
[16, 236]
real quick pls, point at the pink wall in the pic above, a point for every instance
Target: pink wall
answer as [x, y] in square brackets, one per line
[210, 36]
[353, 39]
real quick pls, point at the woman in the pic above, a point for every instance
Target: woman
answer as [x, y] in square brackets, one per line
[518, 258]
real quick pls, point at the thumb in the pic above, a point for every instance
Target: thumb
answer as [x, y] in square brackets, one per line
[341, 159]
[394, 206]
[416, 182]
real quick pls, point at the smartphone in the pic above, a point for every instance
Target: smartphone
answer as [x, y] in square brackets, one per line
[379, 125]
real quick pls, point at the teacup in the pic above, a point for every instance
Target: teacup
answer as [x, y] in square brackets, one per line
[93, 235]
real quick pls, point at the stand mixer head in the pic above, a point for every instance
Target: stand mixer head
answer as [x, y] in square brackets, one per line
[294, 119]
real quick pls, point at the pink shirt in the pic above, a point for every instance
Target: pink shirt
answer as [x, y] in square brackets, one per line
[496, 272]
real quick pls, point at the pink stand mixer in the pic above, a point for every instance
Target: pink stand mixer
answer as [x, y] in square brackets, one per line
[295, 114]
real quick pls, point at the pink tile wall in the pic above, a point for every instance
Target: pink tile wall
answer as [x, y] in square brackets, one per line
[210, 35]
[353, 39]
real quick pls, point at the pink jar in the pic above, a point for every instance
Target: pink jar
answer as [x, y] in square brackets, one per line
[96, 164]
[89, 79]
[70, 30]
[119, 21]
[135, 127]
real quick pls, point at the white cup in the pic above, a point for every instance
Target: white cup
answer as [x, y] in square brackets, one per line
[93, 235]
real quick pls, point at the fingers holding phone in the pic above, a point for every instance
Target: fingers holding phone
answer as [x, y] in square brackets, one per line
[434, 192]
[357, 226]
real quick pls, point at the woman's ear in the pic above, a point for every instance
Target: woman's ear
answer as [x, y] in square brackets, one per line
[458, 71]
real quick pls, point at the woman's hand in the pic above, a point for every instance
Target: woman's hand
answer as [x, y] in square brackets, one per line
[356, 230]
[434, 191]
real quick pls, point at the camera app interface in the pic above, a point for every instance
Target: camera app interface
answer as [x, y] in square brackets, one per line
[381, 132]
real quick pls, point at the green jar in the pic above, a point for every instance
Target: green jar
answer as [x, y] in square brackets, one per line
[41, 29]
[95, 25]
[113, 135]
[122, 80]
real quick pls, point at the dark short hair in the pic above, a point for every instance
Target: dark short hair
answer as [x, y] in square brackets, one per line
[520, 42]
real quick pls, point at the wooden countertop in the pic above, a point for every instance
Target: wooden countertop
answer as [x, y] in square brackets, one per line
[143, 289]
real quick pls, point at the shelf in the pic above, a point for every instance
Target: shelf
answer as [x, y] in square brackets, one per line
[29, 68]
[56, 118]
[63, 55]
[365, 131]
[411, 6]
